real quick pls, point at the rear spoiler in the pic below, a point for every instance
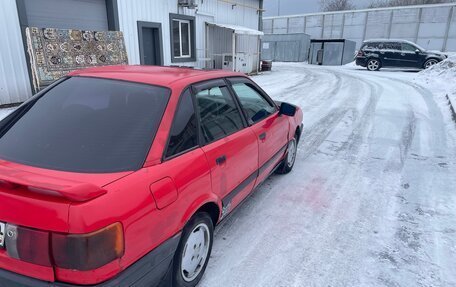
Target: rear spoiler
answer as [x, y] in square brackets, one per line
[49, 186]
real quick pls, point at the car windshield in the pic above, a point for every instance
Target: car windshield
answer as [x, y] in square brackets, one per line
[85, 125]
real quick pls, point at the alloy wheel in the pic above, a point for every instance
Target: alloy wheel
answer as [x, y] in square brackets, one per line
[373, 65]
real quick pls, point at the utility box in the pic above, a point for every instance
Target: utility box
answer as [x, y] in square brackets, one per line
[285, 47]
[331, 52]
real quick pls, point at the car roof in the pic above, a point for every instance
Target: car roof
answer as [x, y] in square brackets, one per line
[389, 40]
[154, 75]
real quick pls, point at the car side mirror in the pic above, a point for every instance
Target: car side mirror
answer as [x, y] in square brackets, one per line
[287, 110]
[417, 51]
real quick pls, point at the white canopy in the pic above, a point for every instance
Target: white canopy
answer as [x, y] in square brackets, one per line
[239, 29]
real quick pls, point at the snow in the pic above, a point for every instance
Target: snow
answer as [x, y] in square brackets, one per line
[371, 199]
[441, 78]
[4, 112]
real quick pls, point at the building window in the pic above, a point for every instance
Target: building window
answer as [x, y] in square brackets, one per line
[182, 38]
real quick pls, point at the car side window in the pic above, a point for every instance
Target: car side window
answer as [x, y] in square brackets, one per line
[218, 113]
[255, 106]
[183, 135]
[370, 46]
[408, 48]
[393, 46]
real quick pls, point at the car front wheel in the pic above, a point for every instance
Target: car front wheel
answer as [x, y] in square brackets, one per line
[194, 250]
[429, 63]
[373, 65]
[288, 162]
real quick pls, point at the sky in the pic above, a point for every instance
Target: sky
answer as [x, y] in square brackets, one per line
[290, 7]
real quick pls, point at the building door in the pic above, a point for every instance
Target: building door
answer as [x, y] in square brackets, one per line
[65, 14]
[150, 43]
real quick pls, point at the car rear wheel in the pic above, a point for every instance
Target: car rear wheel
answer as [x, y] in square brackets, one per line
[194, 250]
[429, 63]
[288, 162]
[373, 65]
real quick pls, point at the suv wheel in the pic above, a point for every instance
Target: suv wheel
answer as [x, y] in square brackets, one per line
[429, 63]
[194, 250]
[373, 65]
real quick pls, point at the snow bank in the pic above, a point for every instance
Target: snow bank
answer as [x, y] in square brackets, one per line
[441, 79]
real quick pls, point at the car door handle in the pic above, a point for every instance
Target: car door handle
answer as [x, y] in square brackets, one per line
[262, 136]
[220, 160]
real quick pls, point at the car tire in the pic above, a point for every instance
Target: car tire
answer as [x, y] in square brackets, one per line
[429, 63]
[194, 250]
[373, 64]
[290, 157]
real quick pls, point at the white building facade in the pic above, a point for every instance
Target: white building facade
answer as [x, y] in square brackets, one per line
[156, 32]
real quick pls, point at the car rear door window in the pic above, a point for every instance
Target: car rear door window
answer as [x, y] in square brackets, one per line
[86, 125]
[254, 105]
[183, 135]
[218, 113]
[393, 46]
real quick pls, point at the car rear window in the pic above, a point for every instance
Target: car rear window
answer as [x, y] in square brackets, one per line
[86, 125]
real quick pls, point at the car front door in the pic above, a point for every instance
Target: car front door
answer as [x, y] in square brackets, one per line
[410, 57]
[231, 148]
[270, 128]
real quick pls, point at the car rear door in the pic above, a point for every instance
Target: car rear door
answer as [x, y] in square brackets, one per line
[269, 127]
[391, 53]
[231, 148]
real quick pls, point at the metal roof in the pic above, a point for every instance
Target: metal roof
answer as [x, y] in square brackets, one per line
[238, 29]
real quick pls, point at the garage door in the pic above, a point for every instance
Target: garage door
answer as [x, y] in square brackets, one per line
[67, 14]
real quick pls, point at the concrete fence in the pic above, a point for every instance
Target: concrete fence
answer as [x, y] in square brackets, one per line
[430, 26]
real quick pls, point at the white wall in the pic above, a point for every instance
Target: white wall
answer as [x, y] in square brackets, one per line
[14, 79]
[432, 26]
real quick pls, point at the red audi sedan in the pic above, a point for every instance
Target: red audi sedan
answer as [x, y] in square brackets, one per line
[117, 176]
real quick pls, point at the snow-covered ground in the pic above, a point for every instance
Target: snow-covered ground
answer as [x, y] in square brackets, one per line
[371, 200]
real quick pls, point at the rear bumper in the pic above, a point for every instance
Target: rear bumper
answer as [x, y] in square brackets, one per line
[154, 269]
[361, 62]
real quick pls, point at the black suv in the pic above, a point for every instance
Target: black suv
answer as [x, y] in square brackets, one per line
[375, 54]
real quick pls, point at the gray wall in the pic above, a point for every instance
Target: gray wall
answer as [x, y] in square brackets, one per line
[285, 47]
[432, 26]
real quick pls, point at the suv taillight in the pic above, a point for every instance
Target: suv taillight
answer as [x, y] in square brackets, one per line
[69, 251]
[360, 53]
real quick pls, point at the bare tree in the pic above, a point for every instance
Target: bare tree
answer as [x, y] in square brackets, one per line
[394, 3]
[336, 5]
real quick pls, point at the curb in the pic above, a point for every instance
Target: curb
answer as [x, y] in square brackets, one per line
[453, 113]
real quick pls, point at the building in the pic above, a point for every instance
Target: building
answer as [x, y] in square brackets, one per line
[196, 33]
[430, 26]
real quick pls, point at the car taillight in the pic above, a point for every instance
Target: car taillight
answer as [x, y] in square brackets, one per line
[360, 53]
[88, 251]
[69, 251]
[28, 245]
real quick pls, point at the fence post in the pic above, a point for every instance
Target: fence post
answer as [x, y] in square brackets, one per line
[418, 25]
[305, 24]
[323, 26]
[343, 26]
[390, 24]
[365, 26]
[447, 32]
[288, 25]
